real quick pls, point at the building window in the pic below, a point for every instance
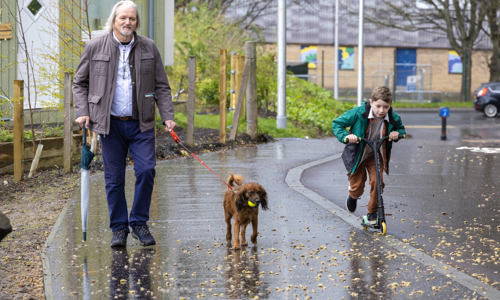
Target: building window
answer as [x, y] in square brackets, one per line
[34, 7]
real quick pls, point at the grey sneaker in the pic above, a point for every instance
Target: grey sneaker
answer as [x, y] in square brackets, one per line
[351, 204]
[372, 218]
[141, 232]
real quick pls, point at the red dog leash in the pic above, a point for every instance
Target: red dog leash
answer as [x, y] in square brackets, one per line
[178, 141]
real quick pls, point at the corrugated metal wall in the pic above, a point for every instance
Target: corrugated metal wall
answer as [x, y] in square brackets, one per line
[8, 50]
[313, 22]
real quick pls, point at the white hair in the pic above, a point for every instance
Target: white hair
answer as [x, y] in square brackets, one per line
[111, 19]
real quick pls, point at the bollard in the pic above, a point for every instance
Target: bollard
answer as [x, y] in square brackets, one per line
[444, 112]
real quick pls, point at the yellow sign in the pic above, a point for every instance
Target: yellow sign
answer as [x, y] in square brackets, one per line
[5, 31]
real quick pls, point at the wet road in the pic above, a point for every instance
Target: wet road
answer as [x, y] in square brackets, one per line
[443, 226]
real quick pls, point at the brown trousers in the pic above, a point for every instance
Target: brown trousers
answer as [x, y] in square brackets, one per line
[358, 178]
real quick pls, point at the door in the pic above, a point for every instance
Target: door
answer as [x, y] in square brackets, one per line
[406, 65]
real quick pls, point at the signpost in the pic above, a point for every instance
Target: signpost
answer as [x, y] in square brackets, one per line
[444, 112]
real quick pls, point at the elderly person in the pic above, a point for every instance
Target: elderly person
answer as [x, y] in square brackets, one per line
[119, 79]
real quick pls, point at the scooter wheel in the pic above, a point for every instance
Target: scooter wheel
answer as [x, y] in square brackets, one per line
[383, 228]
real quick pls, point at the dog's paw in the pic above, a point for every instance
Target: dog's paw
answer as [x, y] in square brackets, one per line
[253, 238]
[236, 247]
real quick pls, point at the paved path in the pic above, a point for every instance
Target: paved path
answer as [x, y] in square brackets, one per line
[308, 246]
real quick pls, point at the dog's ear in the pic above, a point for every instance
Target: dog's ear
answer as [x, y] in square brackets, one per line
[230, 179]
[235, 180]
[263, 198]
[241, 199]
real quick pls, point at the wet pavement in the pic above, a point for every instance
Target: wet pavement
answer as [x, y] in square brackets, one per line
[442, 211]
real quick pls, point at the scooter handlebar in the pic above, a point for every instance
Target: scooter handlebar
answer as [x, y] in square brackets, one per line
[381, 140]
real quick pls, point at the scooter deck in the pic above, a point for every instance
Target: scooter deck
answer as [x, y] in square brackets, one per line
[375, 226]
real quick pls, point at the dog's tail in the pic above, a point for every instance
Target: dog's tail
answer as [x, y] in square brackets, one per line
[235, 180]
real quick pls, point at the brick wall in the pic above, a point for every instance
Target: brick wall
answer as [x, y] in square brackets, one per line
[379, 66]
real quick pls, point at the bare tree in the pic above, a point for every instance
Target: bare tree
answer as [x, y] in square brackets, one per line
[493, 31]
[460, 20]
[252, 9]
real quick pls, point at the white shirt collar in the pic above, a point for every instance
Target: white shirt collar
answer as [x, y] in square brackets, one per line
[371, 116]
[129, 44]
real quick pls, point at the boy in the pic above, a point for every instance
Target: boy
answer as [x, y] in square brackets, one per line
[372, 120]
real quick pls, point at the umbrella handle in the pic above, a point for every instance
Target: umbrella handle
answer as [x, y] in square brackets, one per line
[84, 135]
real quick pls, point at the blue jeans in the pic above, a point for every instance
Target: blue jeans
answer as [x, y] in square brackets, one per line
[125, 136]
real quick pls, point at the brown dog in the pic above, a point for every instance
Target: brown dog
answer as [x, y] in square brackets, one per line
[236, 204]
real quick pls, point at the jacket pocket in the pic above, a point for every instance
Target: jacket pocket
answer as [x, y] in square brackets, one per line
[101, 64]
[147, 63]
[350, 156]
[148, 107]
[96, 109]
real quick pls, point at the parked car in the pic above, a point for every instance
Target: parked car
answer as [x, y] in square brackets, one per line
[487, 99]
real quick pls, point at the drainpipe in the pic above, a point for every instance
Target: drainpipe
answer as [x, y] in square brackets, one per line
[151, 27]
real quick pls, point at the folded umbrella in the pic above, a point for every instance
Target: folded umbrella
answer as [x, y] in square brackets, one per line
[87, 157]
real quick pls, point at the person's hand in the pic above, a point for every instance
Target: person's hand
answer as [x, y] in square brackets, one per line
[393, 136]
[83, 120]
[169, 125]
[351, 138]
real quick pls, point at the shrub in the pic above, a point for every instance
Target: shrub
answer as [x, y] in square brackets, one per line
[208, 91]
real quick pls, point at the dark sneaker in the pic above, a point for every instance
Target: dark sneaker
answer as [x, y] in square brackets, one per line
[141, 232]
[351, 204]
[4, 232]
[5, 227]
[119, 239]
[372, 218]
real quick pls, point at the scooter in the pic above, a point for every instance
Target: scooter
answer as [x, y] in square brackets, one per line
[380, 224]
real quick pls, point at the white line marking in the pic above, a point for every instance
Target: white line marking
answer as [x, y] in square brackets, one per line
[480, 149]
[293, 180]
[483, 141]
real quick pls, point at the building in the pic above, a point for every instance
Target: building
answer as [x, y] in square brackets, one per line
[55, 31]
[422, 64]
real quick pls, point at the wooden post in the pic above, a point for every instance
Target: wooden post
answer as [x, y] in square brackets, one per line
[68, 122]
[252, 107]
[240, 65]
[222, 94]
[232, 82]
[18, 129]
[241, 92]
[190, 103]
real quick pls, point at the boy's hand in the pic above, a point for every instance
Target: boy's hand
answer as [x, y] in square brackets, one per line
[393, 136]
[351, 138]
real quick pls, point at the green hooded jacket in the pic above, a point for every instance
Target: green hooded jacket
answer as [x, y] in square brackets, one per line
[355, 121]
